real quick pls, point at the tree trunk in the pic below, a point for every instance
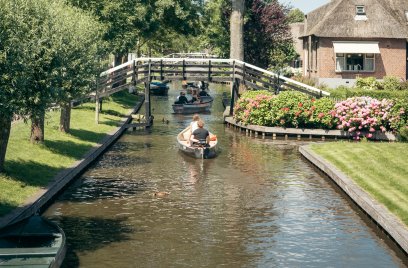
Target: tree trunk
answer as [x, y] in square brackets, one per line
[237, 30]
[37, 128]
[5, 126]
[65, 118]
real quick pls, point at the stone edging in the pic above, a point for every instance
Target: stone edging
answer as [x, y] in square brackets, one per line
[303, 132]
[379, 213]
[43, 196]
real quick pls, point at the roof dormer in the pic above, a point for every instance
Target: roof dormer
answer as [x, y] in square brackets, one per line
[360, 13]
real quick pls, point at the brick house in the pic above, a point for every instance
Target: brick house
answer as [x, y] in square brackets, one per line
[345, 39]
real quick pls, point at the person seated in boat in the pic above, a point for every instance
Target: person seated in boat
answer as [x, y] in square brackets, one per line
[189, 95]
[181, 99]
[195, 98]
[184, 84]
[203, 92]
[193, 124]
[201, 136]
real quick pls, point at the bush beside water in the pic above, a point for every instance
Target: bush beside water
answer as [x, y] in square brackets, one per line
[297, 110]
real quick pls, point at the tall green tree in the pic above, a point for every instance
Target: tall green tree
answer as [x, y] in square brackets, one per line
[265, 30]
[216, 27]
[11, 68]
[296, 15]
[47, 52]
[131, 25]
[80, 50]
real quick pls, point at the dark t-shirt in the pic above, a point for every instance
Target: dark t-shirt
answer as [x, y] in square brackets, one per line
[201, 134]
[203, 93]
[182, 99]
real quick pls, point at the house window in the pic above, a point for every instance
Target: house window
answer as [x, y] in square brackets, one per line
[354, 62]
[360, 10]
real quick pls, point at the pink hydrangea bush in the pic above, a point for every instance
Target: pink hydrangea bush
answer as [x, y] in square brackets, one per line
[364, 114]
[253, 110]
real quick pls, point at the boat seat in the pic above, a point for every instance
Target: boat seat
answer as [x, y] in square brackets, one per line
[42, 251]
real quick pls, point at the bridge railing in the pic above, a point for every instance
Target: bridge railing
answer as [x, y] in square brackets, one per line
[144, 70]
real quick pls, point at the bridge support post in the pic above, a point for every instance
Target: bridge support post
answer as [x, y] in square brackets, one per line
[148, 111]
[234, 94]
[96, 104]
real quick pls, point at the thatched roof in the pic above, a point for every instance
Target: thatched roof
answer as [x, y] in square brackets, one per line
[384, 19]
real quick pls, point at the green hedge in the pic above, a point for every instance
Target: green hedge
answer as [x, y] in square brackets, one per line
[345, 93]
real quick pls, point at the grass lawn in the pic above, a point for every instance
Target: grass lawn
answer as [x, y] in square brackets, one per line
[29, 167]
[381, 169]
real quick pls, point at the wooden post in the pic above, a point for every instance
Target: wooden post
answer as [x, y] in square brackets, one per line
[96, 103]
[234, 95]
[184, 70]
[209, 71]
[147, 96]
[161, 70]
[243, 73]
[136, 70]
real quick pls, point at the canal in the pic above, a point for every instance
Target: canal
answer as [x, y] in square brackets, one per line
[257, 204]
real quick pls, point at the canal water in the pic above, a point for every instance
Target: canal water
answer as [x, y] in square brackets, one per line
[257, 204]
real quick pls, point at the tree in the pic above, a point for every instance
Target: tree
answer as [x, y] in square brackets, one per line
[296, 15]
[133, 24]
[237, 30]
[266, 29]
[78, 59]
[216, 27]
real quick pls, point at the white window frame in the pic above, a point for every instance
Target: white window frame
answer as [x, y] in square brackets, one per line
[342, 59]
[360, 10]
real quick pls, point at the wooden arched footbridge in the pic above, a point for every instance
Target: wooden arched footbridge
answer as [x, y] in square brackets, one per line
[145, 70]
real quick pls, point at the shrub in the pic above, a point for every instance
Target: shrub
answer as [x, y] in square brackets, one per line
[367, 83]
[403, 133]
[253, 110]
[290, 109]
[391, 83]
[399, 114]
[321, 116]
[253, 93]
[364, 114]
[345, 93]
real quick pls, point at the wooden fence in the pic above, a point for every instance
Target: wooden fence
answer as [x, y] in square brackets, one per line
[145, 70]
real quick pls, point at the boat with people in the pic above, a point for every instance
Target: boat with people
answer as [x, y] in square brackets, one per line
[32, 242]
[191, 103]
[193, 107]
[201, 150]
[159, 88]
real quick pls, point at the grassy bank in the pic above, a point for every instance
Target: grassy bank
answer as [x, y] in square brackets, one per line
[379, 168]
[29, 167]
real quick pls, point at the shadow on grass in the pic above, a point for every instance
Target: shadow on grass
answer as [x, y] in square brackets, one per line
[113, 113]
[67, 148]
[90, 234]
[87, 135]
[125, 99]
[6, 208]
[30, 172]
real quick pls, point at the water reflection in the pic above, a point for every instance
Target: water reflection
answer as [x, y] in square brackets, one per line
[257, 204]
